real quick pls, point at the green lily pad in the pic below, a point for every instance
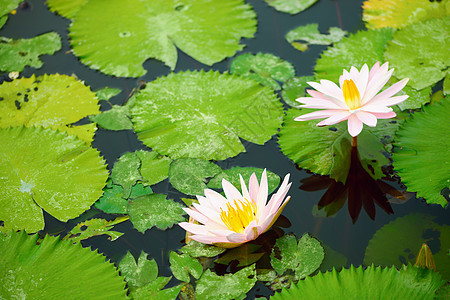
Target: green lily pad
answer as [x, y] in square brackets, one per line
[107, 93]
[126, 172]
[422, 156]
[428, 61]
[7, 6]
[196, 249]
[45, 169]
[182, 265]
[154, 167]
[188, 175]
[326, 150]
[116, 118]
[67, 9]
[371, 283]
[154, 290]
[54, 101]
[155, 29]
[310, 35]
[363, 47]
[416, 99]
[203, 114]
[231, 285]
[291, 6]
[265, 68]
[401, 13]
[295, 88]
[15, 55]
[232, 175]
[399, 242]
[113, 201]
[138, 274]
[55, 269]
[303, 258]
[94, 227]
[154, 210]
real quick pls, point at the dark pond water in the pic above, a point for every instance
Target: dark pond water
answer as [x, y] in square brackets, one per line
[338, 232]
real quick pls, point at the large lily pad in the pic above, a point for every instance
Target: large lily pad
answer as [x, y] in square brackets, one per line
[207, 30]
[45, 169]
[54, 101]
[363, 47]
[401, 13]
[421, 156]
[414, 55]
[65, 8]
[371, 283]
[15, 55]
[203, 114]
[55, 269]
[399, 242]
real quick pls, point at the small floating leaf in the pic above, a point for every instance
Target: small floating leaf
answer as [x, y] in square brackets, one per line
[112, 201]
[363, 47]
[371, 283]
[265, 68]
[55, 269]
[94, 227]
[196, 249]
[203, 114]
[116, 118]
[231, 285]
[45, 169]
[154, 210]
[427, 170]
[138, 274]
[126, 172]
[425, 63]
[54, 101]
[401, 13]
[310, 35]
[15, 55]
[155, 29]
[291, 6]
[182, 265]
[107, 93]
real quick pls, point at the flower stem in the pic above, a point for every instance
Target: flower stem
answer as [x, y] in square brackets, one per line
[354, 141]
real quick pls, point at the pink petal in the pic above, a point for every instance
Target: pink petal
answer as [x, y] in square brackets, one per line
[237, 238]
[318, 103]
[194, 228]
[394, 89]
[361, 79]
[354, 125]
[253, 186]
[263, 191]
[230, 191]
[393, 100]
[345, 75]
[374, 70]
[208, 212]
[376, 108]
[252, 231]
[336, 118]
[209, 239]
[329, 89]
[199, 217]
[319, 95]
[318, 114]
[244, 189]
[367, 118]
[375, 85]
[385, 115]
[215, 198]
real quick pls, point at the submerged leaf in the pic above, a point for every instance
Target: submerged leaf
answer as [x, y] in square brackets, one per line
[401, 13]
[291, 6]
[154, 210]
[55, 269]
[44, 169]
[203, 114]
[231, 285]
[311, 35]
[15, 55]
[155, 29]
[399, 241]
[363, 47]
[265, 68]
[422, 156]
[371, 283]
[414, 55]
[54, 101]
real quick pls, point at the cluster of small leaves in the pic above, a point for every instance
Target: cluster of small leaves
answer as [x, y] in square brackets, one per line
[192, 176]
[310, 35]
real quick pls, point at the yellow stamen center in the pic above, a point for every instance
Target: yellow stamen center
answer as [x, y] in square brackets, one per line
[237, 217]
[351, 94]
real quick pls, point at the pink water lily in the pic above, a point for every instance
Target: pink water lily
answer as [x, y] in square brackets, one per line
[238, 217]
[356, 100]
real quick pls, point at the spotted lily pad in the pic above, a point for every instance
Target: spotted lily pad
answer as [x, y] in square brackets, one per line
[265, 68]
[203, 114]
[55, 269]
[139, 30]
[291, 6]
[45, 169]
[182, 265]
[54, 101]
[310, 35]
[363, 47]
[15, 55]
[196, 249]
[422, 156]
[371, 283]
[428, 61]
[401, 13]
